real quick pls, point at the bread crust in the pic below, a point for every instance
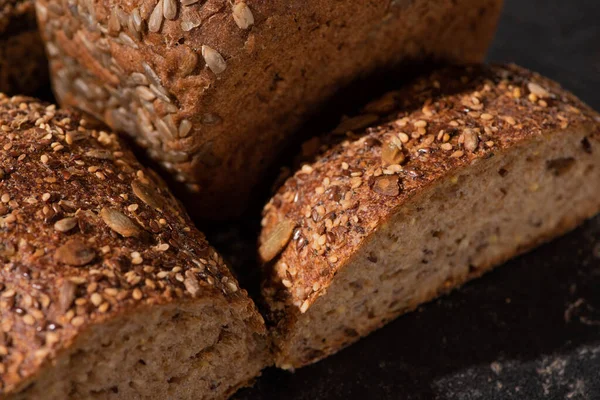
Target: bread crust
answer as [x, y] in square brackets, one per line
[88, 235]
[23, 64]
[443, 123]
[233, 81]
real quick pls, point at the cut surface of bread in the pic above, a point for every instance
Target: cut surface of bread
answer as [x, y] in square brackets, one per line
[474, 166]
[213, 89]
[107, 291]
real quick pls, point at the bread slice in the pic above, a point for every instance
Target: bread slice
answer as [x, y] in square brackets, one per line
[457, 173]
[107, 291]
[213, 88]
[23, 63]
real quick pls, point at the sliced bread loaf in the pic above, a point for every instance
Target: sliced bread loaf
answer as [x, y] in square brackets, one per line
[213, 88]
[107, 291]
[455, 174]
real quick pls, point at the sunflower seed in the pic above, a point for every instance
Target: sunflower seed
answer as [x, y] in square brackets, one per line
[170, 124]
[170, 108]
[169, 9]
[163, 128]
[137, 78]
[187, 26]
[123, 16]
[132, 30]
[137, 19]
[538, 90]
[66, 295]
[114, 25]
[160, 93]
[119, 222]
[146, 194]
[213, 59]
[65, 224]
[185, 126]
[152, 76]
[276, 240]
[74, 252]
[156, 17]
[127, 40]
[242, 15]
[145, 93]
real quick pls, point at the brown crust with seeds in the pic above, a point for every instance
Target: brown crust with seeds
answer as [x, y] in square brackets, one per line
[442, 124]
[213, 88]
[80, 245]
[23, 64]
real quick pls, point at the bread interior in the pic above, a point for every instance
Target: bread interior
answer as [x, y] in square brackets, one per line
[456, 229]
[194, 350]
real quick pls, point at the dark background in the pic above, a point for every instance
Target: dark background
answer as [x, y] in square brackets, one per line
[528, 330]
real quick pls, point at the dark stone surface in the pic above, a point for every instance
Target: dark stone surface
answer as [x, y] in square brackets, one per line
[528, 330]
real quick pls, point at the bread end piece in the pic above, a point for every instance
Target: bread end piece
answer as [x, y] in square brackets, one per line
[107, 290]
[495, 160]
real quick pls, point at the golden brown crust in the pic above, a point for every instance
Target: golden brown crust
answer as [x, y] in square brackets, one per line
[439, 125]
[86, 234]
[212, 88]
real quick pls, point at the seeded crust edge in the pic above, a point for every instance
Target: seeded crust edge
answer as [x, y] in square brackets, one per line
[55, 275]
[282, 308]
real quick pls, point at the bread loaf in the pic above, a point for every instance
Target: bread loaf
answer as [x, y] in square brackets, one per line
[23, 64]
[455, 174]
[213, 88]
[107, 291]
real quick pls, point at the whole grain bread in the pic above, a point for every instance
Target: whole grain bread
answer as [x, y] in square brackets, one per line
[107, 290]
[23, 63]
[212, 89]
[456, 173]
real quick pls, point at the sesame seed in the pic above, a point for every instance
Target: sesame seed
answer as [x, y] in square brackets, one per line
[446, 146]
[5, 198]
[162, 247]
[28, 319]
[420, 124]
[457, 154]
[96, 299]
[137, 294]
[304, 307]
[77, 321]
[486, 116]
